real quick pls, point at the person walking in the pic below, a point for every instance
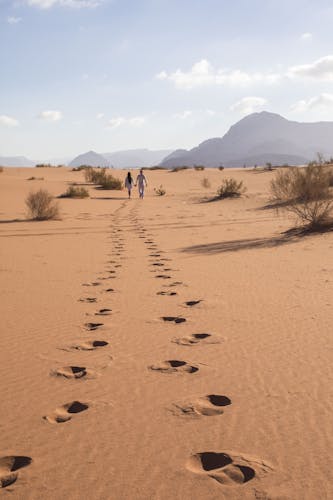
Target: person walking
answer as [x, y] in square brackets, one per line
[129, 183]
[141, 182]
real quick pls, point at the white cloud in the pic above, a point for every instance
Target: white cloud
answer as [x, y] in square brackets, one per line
[321, 69]
[248, 104]
[203, 74]
[14, 20]
[50, 115]
[135, 121]
[77, 4]
[8, 121]
[99, 116]
[210, 112]
[306, 37]
[322, 101]
[183, 115]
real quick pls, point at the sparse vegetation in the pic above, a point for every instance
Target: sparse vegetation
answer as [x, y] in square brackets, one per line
[155, 167]
[205, 183]
[230, 188]
[306, 193]
[41, 205]
[43, 165]
[199, 167]
[221, 167]
[1, 170]
[160, 191]
[75, 192]
[177, 169]
[33, 178]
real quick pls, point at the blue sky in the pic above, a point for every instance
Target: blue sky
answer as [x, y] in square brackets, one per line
[119, 74]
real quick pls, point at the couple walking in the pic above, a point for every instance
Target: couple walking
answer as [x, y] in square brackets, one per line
[141, 182]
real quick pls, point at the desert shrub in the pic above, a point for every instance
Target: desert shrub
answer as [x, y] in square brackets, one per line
[199, 167]
[1, 170]
[177, 169]
[33, 178]
[107, 181]
[41, 205]
[230, 188]
[205, 183]
[221, 167]
[43, 165]
[160, 191]
[81, 167]
[75, 192]
[155, 167]
[305, 192]
[95, 176]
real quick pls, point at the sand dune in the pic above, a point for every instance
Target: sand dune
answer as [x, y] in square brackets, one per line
[165, 348]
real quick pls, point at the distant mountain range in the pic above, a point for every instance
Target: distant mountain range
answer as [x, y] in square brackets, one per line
[257, 139]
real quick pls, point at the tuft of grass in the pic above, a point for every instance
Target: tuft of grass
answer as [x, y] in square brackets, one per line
[306, 193]
[33, 178]
[41, 205]
[205, 183]
[230, 188]
[75, 192]
[160, 191]
[199, 167]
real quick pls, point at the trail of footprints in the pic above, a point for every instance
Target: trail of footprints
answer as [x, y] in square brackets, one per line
[228, 469]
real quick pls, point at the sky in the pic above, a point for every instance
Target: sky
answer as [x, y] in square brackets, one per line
[108, 75]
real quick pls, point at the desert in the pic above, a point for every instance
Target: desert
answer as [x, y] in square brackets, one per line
[165, 347]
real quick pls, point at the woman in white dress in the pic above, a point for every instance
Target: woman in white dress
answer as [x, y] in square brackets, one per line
[129, 183]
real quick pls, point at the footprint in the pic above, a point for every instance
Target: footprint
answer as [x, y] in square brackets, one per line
[64, 413]
[174, 366]
[208, 406]
[154, 255]
[8, 467]
[159, 264]
[227, 469]
[175, 283]
[166, 293]
[109, 290]
[175, 319]
[93, 283]
[89, 300]
[103, 312]
[163, 276]
[195, 338]
[70, 372]
[191, 303]
[90, 345]
[93, 326]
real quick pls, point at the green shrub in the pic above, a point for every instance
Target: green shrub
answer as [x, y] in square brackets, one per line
[305, 192]
[75, 192]
[230, 188]
[41, 205]
[160, 191]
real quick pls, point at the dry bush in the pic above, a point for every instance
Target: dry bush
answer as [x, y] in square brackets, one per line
[230, 188]
[109, 182]
[75, 192]
[43, 165]
[33, 178]
[205, 183]
[1, 169]
[160, 191]
[305, 192]
[41, 205]
[221, 167]
[177, 169]
[199, 167]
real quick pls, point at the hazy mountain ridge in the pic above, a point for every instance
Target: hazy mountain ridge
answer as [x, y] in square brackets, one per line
[260, 137]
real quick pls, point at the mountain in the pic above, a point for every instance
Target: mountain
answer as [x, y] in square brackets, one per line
[136, 158]
[90, 158]
[16, 161]
[260, 138]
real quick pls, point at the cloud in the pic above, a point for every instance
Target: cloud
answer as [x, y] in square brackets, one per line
[203, 74]
[248, 104]
[76, 4]
[135, 121]
[306, 37]
[322, 101]
[14, 20]
[99, 116]
[50, 115]
[183, 115]
[8, 121]
[321, 69]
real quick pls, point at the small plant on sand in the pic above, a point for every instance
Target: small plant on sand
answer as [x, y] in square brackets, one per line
[178, 169]
[109, 182]
[230, 188]
[41, 205]
[160, 191]
[199, 167]
[43, 165]
[205, 183]
[221, 167]
[75, 192]
[33, 178]
[306, 193]
[1, 170]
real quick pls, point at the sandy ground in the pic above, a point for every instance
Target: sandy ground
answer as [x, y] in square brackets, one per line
[235, 402]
